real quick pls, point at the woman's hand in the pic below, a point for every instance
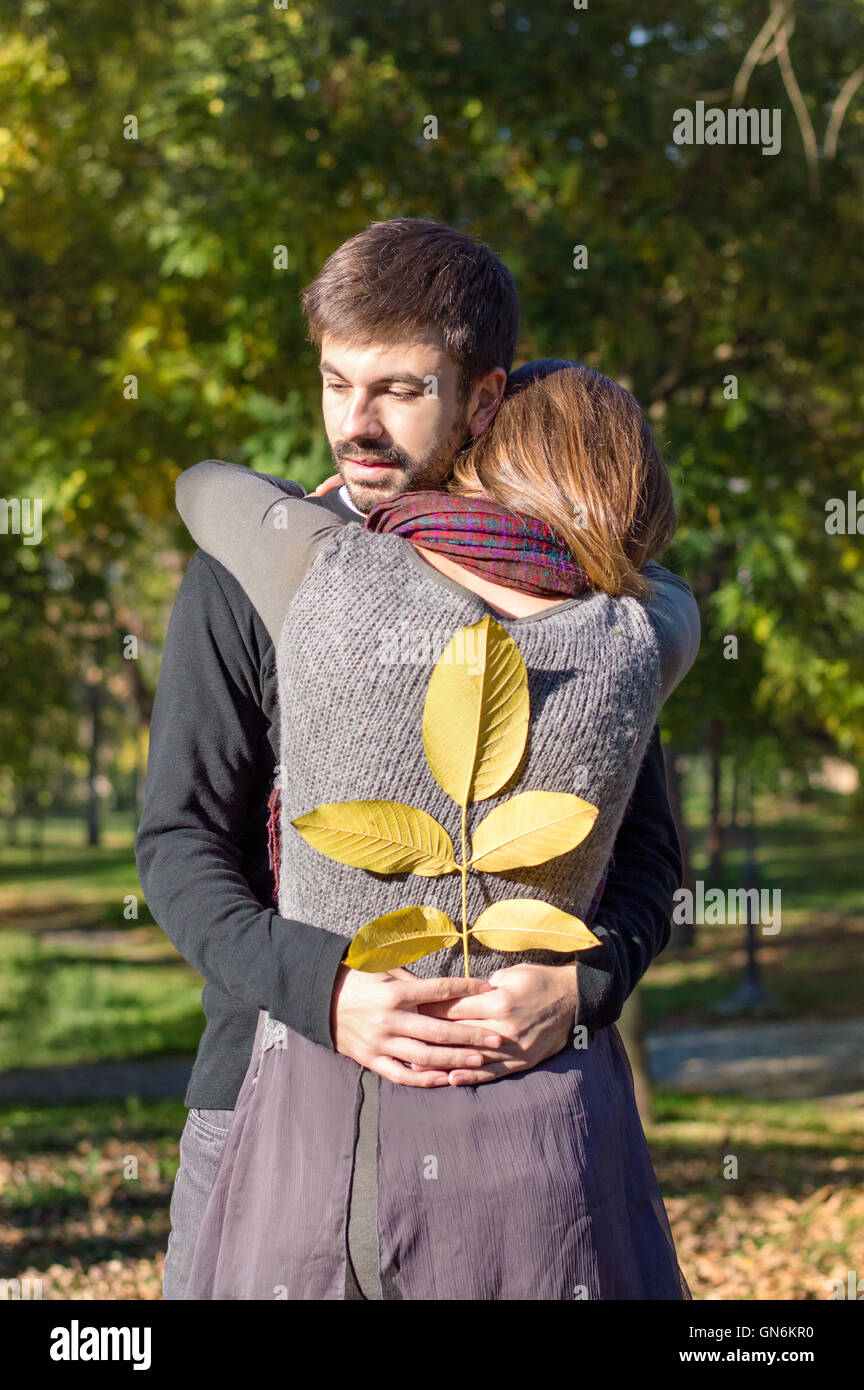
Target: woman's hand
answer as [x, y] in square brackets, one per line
[376, 1018]
[328, 485]
[531, 1006]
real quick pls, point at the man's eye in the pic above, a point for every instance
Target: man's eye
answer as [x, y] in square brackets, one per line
[404, 395]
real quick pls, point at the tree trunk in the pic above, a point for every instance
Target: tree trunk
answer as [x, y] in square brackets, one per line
[139, 786]
[12, 828]
[682, 932]
[631, 1029]
[93, 818]
[37, 834]
[715, 838]
[733, 806]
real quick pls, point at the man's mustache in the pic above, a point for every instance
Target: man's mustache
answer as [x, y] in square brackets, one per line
[395, 456]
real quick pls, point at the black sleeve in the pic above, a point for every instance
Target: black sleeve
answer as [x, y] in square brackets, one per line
[633, 919]
[203, 790]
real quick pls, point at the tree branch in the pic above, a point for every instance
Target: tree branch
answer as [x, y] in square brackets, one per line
[838, 110]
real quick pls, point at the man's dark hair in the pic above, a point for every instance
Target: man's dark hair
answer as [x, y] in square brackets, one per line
[398, 279]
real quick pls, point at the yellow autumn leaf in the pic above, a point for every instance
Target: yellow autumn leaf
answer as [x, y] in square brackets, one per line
[384, 836]
[400, 937]
[531, 828]
[526, 924]
[475, 719]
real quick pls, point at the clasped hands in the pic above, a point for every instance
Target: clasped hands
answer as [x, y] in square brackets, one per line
[449, 1031]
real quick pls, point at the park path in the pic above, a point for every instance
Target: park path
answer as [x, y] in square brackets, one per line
[771, 1060]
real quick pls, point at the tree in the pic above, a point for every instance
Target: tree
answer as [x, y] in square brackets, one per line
[172, 177]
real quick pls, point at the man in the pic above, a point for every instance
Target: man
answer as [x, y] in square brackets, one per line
[416, 326]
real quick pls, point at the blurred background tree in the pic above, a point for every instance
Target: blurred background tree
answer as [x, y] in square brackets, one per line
[172, 177]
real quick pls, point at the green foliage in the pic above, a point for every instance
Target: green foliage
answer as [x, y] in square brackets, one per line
[260, 128]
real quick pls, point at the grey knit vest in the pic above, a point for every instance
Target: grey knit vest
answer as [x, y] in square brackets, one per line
[354, 661]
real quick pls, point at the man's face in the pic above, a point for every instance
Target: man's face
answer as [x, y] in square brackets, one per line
[393, 416]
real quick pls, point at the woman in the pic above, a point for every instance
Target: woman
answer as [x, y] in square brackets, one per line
[538, 1185]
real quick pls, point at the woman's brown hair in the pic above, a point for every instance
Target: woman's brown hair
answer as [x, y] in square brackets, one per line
[573, 449]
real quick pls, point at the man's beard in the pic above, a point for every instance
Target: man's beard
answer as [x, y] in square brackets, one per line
[413, 475]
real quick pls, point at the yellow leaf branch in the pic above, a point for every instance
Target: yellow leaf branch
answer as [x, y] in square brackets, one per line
[475, 729]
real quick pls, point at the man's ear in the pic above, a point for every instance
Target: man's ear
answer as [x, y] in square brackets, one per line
[485, 398]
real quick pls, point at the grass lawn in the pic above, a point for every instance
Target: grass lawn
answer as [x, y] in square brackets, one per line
[813, 967]
[67, 883]
[791, 1219]
[84, 1189]
[85, 1193]
[79, 981]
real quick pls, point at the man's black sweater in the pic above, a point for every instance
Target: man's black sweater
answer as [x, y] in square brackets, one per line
[202, 857]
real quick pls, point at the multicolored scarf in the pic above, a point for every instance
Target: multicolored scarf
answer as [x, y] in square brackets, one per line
[488, 539]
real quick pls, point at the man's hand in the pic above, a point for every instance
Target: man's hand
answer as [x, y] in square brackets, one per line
[328, 485]
[531, 1006]
[376, 1019]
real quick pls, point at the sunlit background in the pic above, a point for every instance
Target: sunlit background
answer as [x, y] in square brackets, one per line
[171, 176]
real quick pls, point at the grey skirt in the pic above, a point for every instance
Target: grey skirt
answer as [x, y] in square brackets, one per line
[336, 1183]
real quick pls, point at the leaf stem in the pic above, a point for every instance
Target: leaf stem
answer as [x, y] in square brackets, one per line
[464, 871]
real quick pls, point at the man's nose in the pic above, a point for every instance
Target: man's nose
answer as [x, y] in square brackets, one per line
[360, 418]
